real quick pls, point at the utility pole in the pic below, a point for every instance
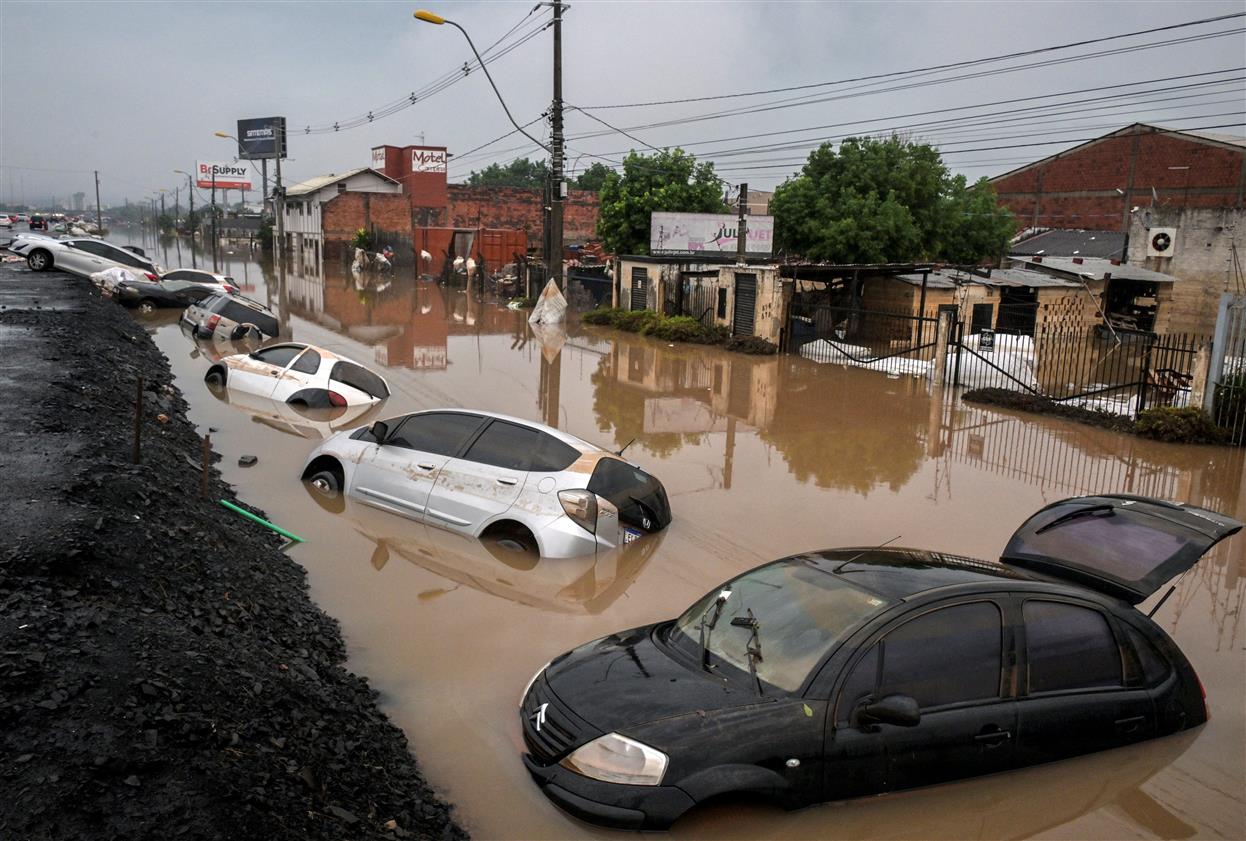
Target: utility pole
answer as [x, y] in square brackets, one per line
[283, 310]
[99, 215]
[162, 207]
[556, 156]
[190, 191]
[177, 206]
[265, 209]
[214, 266]
[741, 233]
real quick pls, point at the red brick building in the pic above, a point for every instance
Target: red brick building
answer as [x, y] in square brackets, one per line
[1097, 184]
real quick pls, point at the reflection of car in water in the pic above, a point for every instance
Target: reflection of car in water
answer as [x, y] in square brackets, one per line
[296, 419]
[588, 584]
[298, 373]
[488, 475]
[216, 347]
[836, 674]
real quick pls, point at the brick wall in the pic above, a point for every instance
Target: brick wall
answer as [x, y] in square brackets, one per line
[1078, 189]
[346, 213]
[520, 209]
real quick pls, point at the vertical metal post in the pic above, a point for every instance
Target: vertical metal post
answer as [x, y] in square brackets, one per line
[99, 214]
[1219, 344]
[556, 157]
[283, 312]
[138, 422]
[214, 266]
[207, 466]
[741, 233]
[190, 191]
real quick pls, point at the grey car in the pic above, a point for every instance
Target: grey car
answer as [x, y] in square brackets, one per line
[229, 318]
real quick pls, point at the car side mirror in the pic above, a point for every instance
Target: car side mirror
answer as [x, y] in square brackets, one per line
[379, 431]
[900, 710]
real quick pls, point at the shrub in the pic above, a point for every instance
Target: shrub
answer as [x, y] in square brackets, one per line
[633, 321]
[682, 328]
[751, 344]
[364, 239]
[523, 303]
[604, 315]
[1189, 425]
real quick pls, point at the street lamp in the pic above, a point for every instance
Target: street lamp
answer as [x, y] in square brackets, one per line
[190, 192]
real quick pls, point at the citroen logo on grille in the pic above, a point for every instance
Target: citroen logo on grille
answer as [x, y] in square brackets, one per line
[538, 717]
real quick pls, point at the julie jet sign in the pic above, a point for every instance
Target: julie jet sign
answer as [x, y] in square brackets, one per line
[227, 176]
[708, 233]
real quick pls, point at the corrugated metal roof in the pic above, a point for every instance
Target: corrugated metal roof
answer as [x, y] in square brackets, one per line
[1066, 243]
[999, 277]
[311, 185]
[1098, 269]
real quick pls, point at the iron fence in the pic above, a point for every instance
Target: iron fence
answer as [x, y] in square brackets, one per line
[1228, 368]
[892, 341]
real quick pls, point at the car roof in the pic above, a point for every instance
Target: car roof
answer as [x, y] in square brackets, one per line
[565, 437]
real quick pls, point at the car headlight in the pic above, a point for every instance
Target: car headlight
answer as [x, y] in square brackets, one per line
[617, 759]
[532, 680]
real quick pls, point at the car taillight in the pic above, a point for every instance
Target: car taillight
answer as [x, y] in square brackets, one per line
[336, 399]
[152, 277]
[213, 320]
[1203, 691]
[232, 290]
[581, 507]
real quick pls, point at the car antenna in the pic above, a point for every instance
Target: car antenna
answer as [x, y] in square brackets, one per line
[620, 450]
[863, 551]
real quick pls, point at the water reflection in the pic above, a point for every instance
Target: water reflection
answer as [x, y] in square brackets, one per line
[300, 421]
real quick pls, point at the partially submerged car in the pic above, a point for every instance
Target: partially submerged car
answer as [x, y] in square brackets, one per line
[296, 418]
[80, 255]
[223, 282]
[147, 295]
[848, 672]
[230, 318]
[300, 374]
[489, 475]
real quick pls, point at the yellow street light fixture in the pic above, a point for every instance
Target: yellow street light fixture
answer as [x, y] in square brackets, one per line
[429, 17]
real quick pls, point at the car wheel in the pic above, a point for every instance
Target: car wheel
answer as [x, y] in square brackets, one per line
[326, 482]
[215, 377]
[146, 306]
[39, 260]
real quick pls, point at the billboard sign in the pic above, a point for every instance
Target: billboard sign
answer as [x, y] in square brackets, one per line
[261, 137]
[711, 234]
[428, 160]
[224, 176]
[378, 158]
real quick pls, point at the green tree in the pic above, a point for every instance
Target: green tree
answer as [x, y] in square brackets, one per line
[671, 181]
[592, 178]
[887, 199]
[518, 173]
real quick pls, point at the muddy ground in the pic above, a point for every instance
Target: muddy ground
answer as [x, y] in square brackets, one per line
[163, 672]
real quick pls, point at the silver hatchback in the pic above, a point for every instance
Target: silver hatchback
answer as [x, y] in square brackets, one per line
[528, 485]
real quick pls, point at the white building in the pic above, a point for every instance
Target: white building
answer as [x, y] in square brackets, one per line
[304, 229]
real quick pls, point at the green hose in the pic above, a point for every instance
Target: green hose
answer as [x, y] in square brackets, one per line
[244, 512]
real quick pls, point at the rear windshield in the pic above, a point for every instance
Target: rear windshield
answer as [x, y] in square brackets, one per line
[640, 498]
[243, 314]
[359, 377]
[1117, 542]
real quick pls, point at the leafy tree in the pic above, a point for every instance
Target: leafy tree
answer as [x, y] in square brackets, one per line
[519, 173]
[671, 181]
[887, 199]
[592, 178]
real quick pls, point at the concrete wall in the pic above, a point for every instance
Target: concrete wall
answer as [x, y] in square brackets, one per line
[1202, 260]
[769, 316]
[1077, 189]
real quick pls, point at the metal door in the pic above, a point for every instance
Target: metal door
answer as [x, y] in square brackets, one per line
[640, 289]
[745, 305]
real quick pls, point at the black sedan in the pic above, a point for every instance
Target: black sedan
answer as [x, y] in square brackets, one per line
[147, 295]
[849, 672]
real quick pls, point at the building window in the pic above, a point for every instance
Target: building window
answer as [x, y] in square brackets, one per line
[341, 187]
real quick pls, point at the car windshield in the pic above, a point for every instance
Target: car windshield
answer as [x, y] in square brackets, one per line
[801, 611]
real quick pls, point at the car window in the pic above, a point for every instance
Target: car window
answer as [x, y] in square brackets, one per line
[308, 363]
[178, 276]
[174, 285]
[1153, 665]
[279, 356]
[96, 248]
[504, 445]
[551, 454]
[442, 433]
[359, 377]
[859, 686]
[947, 656]
[1068, 647]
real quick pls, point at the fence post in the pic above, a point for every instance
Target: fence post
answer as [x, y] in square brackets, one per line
[1219, 345]
[1198, 380]
[960, 334]
[1144, 377]
[943, 335]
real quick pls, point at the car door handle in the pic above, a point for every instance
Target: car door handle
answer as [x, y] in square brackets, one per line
[508, 481]
[424, 465]
[993, 737]
[274, 373]
[1131, 724]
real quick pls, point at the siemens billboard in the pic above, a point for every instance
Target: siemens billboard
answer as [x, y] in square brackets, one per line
[260, 138]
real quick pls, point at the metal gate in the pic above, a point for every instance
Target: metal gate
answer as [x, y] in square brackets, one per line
[885, 341]
[1227, 376]
[640, 289]
[745, 305]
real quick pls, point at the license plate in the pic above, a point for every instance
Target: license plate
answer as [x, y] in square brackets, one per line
[631, 534]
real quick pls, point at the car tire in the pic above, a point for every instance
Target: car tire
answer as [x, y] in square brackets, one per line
[215, 377]
[327, 483]
[146, 306]
[39, 260]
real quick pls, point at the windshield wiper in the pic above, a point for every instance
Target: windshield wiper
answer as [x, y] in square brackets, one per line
[753, 648]
[717, 607]
[1092, 511]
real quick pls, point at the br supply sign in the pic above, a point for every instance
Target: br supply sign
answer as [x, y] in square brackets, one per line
[224, 176]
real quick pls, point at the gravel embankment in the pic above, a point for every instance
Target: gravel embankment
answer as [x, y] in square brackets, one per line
[163, 672]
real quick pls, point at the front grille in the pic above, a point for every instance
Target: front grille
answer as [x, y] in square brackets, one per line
[561, 730]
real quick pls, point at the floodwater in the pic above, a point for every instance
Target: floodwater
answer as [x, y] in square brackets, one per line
[762, 457]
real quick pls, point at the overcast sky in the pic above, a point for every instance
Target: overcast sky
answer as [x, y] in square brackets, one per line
[137, 89]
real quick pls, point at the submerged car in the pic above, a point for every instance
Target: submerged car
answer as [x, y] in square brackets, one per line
[494, 476]
[229, 318]
[146, 295]
[849, 672]
[303, 375]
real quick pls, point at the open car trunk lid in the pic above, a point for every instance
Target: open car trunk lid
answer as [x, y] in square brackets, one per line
[1125, 546]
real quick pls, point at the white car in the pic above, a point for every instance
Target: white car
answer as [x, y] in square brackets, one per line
[6, 221]
[80, 255]
[300, 374]
[200, 276]
[488, 475]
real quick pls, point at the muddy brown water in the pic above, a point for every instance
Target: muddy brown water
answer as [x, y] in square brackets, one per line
[762, 458]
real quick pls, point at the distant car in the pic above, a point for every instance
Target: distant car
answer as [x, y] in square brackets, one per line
[488, 475]
[36, 223]
[146, 295]
[849, 672]
[200, 276]
[299, 374]
[229, 318]
[6, 221]
[79, 255]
